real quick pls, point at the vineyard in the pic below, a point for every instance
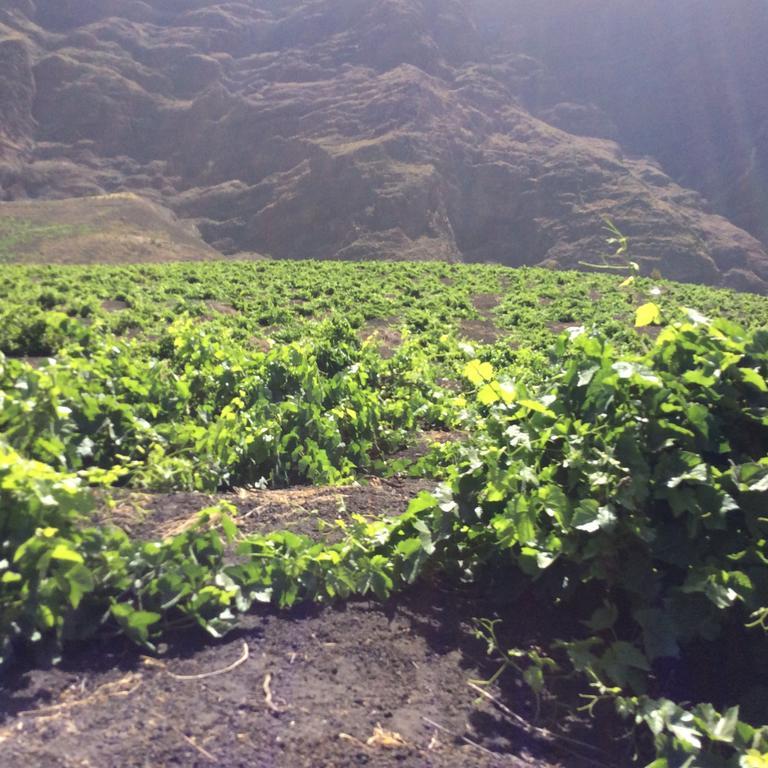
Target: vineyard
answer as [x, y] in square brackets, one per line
[577, 447]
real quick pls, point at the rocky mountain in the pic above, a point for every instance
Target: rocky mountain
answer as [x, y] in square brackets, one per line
[501, 130]
[683, 81]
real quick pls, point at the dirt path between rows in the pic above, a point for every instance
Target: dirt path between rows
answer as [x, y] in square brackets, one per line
[309, 510]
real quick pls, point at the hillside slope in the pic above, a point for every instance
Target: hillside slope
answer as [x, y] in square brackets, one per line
[116, 229]
[338, 129]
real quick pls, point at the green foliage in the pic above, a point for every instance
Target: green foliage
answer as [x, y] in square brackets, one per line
[283, 301]
[69, 581]
[43, 551]
[635, 489]
[696, 736]
[621, 478]
[207, 413]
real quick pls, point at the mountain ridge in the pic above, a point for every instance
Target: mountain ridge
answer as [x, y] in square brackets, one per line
[350, 129]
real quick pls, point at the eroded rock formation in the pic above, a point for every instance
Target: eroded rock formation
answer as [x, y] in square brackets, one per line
[346, 129]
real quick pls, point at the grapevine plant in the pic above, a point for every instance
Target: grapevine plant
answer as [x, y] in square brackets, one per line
[635, 489]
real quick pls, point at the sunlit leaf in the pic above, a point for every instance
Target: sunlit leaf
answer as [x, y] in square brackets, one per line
[647, 314]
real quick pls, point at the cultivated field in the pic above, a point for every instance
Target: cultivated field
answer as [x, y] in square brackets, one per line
[285, 513]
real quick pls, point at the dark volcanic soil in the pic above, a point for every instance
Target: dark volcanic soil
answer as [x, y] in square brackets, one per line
[308, 510]
[332, 676]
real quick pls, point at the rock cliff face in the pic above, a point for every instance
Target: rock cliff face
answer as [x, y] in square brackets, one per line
[684, 81]
[451, 129]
